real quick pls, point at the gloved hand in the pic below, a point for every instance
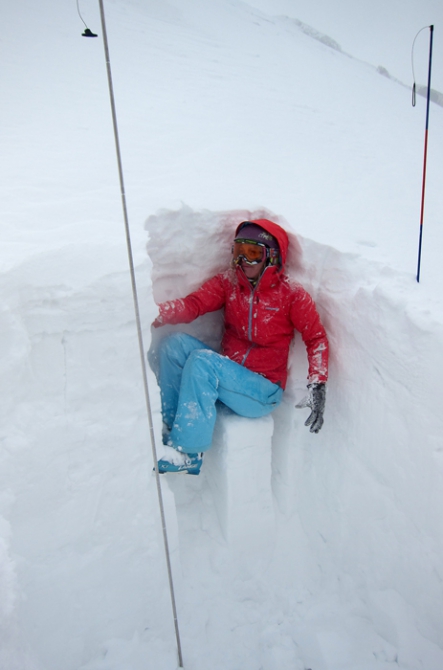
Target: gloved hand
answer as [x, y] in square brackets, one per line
[316, 402]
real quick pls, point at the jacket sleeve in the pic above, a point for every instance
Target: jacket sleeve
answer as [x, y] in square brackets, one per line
[305, 319]
[208, 298]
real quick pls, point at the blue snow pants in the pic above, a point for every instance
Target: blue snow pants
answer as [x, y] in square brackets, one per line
[193, 377]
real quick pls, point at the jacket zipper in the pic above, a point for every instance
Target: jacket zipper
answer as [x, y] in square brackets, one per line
[251, 307]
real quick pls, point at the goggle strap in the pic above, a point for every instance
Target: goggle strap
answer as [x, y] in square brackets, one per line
[244, 240]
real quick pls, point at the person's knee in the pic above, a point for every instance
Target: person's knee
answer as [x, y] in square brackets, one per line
[202, 356]
[202, 362]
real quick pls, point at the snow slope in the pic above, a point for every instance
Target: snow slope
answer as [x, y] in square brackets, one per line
[227, 107]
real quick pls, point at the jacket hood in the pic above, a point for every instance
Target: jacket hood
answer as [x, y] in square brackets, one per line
[276, 231]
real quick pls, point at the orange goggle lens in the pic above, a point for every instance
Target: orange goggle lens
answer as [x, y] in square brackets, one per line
[254, 253]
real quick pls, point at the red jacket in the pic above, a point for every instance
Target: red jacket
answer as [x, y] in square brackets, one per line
[260, 321]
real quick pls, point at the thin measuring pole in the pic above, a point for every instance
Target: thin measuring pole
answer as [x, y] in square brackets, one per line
[425, 154]
[139, 332]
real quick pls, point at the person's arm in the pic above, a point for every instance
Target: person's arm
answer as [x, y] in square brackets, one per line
[208, 298]
[306, 320]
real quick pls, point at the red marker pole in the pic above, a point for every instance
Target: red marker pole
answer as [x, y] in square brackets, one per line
[425, 155]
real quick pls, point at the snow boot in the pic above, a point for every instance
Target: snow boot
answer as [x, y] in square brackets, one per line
[176, 461]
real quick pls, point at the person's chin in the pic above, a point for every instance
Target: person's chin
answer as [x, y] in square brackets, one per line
[250, 272]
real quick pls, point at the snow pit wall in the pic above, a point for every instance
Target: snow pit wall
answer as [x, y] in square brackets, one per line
[368, 489]
[363, 497]
[357, 507]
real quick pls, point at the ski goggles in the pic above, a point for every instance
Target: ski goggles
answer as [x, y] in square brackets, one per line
[252, 252]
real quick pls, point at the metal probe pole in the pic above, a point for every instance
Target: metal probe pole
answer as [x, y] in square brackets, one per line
[139, 331]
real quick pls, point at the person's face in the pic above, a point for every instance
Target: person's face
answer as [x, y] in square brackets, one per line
[244, 251]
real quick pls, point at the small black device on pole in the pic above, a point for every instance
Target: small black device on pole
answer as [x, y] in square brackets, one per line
[87, 32]
[425, 149]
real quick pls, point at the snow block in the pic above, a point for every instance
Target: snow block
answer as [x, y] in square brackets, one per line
[238, 468]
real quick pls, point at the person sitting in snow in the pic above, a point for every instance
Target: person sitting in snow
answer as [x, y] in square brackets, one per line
[262, 308]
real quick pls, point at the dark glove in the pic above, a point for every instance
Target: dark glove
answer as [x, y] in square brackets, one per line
[316, 402]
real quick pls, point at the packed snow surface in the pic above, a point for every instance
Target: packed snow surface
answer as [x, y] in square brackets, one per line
[226, 110]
